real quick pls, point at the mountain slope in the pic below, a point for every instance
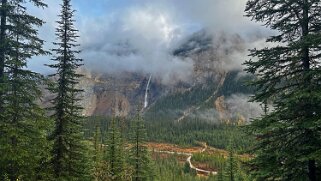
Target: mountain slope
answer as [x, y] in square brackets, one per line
[123, 93]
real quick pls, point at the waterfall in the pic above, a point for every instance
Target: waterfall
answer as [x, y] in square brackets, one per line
[147, 91]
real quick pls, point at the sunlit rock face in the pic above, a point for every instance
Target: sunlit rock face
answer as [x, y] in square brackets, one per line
[123, 93]
[119, 94]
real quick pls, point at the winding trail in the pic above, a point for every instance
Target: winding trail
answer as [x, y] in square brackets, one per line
[198, 170]
[189, 160]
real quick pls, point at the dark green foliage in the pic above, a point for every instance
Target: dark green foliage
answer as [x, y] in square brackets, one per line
[169, 169]
[220, 174]
[217, 135]
[288, 77]
[186, 168]
[235, 83]
[114, 156]
[97, 145]
[216, 161]
[179, 101]
[139, 155]
[231, 168]
[192, 131]
[162, 116]
[188, 132]
[98, 155]
[23, 126]
[172, 106]
[69, 154]
[104, 124]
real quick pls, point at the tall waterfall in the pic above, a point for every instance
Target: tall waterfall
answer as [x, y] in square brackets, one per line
[147, 91]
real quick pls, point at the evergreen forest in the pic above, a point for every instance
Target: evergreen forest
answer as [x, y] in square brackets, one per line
[174, 129]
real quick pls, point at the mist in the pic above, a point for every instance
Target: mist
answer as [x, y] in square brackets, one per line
[141, 36]
[135, 40]
[239, 105]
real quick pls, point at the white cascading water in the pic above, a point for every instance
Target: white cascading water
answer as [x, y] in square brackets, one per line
[147, 91]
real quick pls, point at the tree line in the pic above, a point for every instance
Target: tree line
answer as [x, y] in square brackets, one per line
[288, 75]
[35, 147]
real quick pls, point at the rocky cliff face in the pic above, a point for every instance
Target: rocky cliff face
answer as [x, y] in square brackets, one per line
[120, 94]
[123, 93]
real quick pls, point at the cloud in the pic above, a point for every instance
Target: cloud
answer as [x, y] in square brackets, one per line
[233, 34]
[239, 105]
[234, 51]
[236, 106]
[141, 35]
[136, 39]
[220, 15]
[207, 115]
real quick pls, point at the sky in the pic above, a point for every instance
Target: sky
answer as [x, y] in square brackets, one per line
[139, 35]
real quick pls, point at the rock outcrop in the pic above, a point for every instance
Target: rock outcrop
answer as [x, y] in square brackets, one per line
[123, 93]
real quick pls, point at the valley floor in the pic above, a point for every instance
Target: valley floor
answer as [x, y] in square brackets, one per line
[184, 156]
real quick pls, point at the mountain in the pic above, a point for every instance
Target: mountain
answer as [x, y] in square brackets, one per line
[211, 84]
[121, 93]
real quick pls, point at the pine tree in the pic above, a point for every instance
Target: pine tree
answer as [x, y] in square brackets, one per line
[288, 76]
[220, 175]
[99, 170]
[22, 122]
[139, 156]
[3, 46]
[115, 153]
[97, 145]
[186, 168]
[70, 157]
[231, 169]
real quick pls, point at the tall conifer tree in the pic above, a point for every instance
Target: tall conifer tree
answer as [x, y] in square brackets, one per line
[22, 121]
[115, 153]
[139, 156]
[99, 170]
[3, 45]
[69, 154]
[231, 169]
[288, 76]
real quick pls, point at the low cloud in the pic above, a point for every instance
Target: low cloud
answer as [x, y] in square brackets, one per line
[239, 105]
[140, 36]
[234, 50]
[135, 40]
[207, 115]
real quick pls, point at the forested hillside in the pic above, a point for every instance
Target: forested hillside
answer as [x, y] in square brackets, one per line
[160, 90]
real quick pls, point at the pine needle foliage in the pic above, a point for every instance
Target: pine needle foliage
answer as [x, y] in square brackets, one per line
[23, 127]
[139, 156]
[288, 76]
[70, 159]
[114, 157]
